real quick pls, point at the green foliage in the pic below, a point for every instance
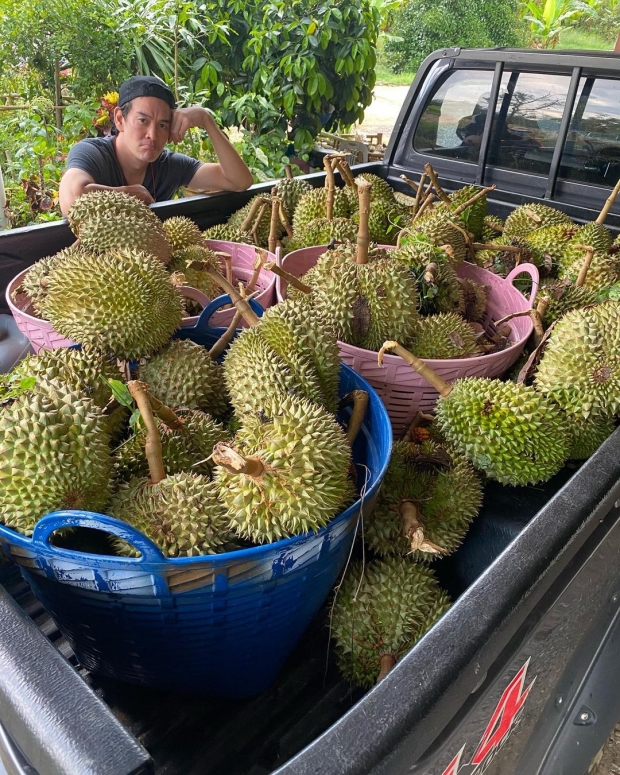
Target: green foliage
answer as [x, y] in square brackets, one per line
[549, 18]
[426, 25]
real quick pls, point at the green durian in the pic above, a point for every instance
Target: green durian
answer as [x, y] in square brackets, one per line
[183, 375]
[380, 612]
[237, 219]
[552, 242]
[588, 435]
[386, 220]
[441, 227]
[313, 205]
[492, 228]
[121, 302]
[321, 231]
[604, 271]
[381, 191]
[224, 232]
[193, 263]
[427, 501]
[182, 232]
[34, 283]
[580, 367]
[444, 336]
[297, 460]
[474, 215]
[529, 217]
[561, 297]
[290, 191]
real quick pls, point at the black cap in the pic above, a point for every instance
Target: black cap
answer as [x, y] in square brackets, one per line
[145, 86]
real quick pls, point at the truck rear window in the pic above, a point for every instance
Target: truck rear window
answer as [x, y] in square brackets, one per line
[592, 149]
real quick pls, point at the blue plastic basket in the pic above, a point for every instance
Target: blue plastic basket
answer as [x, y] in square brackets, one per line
[220, 625]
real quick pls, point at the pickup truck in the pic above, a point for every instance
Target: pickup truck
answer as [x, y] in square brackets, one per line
[520, 675]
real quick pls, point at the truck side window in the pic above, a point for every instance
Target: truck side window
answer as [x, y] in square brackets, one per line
[527, 121]
[452, 122]
[592, 150]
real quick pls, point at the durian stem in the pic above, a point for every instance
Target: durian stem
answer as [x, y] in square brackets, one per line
[387, 662]
[428, 168]
[430, 197]
[224, 340]
[249, 219]
[290, 278]
[402, 233]
[467, 238]
[415, 186]
[288, 171]
[430, 274]
[542, 307]
[167, 415]
[448, 250]
[330, 184]
[359, 399]
[608, 204]
[363, 233]
[491, 246]
[443, 388]
[475, 198]
[583, 272]
[274, 231]
[285, 221]
[413, 529]
[346, 173]
[259, 262]
[152, 447]
[495, 226]
[250, 317]
[258, 220]
[536, 318]
[232, 461]
[418, 193]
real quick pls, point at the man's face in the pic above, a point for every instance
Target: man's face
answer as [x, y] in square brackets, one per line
[146, 129]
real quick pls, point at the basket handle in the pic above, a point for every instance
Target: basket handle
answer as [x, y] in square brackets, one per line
[530, 269]
[193, 293]
[72, 518]
[202, 324]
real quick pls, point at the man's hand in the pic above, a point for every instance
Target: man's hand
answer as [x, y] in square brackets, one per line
[186, 118]
[139, 192]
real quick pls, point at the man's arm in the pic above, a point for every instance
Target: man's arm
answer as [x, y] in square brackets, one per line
[232, 173]
[76, 182]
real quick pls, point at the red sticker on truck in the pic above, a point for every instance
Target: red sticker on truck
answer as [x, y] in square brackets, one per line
[499, 727]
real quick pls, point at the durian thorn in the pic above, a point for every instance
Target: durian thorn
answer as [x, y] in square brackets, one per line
[227, 457]
[250, 317]
[284, 220]
[359, 400]
[430, 274]
[443, 388]
[535, 317]
[330, 184]
[608, 204]
[478, 195]
[249, 218]
[495, 226]
[430, 197]
[152, 446]
[428, 168]
[225, 339]
[290, 278]
[587, 261]
[257, 222]
[387, 662]
[167, 415]
[274, 231]
[288, 171]
[542, 307]
[345, 172]
[363, 234]
[491, 246]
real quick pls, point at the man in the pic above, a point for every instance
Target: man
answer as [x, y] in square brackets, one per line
[135, 161]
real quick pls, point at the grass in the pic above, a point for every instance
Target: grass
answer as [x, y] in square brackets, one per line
[384, 73]
[582, 39]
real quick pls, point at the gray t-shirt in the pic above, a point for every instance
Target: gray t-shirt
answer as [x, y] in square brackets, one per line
[169, 172]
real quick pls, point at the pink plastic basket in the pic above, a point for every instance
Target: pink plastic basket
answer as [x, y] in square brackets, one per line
[243, 257]
[403, 391]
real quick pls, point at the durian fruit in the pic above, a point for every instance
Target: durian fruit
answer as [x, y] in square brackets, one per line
[475, 297]
[183, 375]
[193, 263]
[588, 435]
[529, 217]
[444, 336]
[380, 612]
[182, 514]
[518, 250]
[35, 280]
[313, 205]
[387, 219]
[224, 232]
[441, 227]
[290, 191]
[511, 432]
[428, 499]
[552, 242]
[321, 231]
[580, 367]
[603, 271]
[493, 228]
[54, 454]
[121, 302]
[287, 472]
[183, 450]
[474, 215]
[260, 230]
[111, 220]
[560, 297]
[592, 235]
[182, 232]
[381, 191]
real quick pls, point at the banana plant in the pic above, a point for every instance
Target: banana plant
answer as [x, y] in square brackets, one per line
[550, 18]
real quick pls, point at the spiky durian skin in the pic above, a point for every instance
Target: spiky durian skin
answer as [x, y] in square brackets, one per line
[305, 481]
[448, 499]
[562, 297]
[383, 609]
[313, 205]
[188, 449]
[381, 191]
[321, 231]
[509, 431]
[290, 192]
[227, 233]
[262, 231]
[34, 283]
[475, 214]
[185, 262]
[444, 336]
[489, 230]
[580, 368]
[588, 435]
[121, 303]
[53, 454]
[603, 271]
[593, 235]
[182, 232]
[183, 375]
[112, 220]
[182, 514]
[307, 344]
[553, 241]
[529, 217]
[502, 262]
[443, 228]
[385, 221]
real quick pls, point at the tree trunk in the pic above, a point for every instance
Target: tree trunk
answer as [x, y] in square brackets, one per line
[57, 95]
